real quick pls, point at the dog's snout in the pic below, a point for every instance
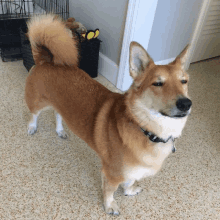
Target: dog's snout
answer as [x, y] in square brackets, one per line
[183, 104]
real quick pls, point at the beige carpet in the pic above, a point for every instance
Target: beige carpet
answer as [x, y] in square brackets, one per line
[45, 177]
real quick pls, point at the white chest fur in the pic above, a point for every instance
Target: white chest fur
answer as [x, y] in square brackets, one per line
[138, 173]
[151, 162]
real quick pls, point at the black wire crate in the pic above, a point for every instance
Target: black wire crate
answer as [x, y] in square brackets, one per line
[14, 9]
[10, 41]
[59, 7]
[27, 55]
[15, 12]
[11, 53]
[9, 32]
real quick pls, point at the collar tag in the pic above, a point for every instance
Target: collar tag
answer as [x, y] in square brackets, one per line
[174, 148]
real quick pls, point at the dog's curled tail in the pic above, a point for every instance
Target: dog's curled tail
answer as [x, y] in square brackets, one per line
[51, 41]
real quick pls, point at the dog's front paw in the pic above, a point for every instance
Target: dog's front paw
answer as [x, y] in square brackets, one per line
[32, 130]
[133, 191]
[112, 208]
[62, 134]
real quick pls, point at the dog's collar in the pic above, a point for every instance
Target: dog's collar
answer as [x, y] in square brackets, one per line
[154, 138]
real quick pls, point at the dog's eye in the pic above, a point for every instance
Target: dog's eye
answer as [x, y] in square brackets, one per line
[157, 84]
[183, 81]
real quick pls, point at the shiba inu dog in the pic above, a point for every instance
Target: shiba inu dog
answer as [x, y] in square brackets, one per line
[132, 133]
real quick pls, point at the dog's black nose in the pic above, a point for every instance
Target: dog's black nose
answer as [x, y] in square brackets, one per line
[183, 104]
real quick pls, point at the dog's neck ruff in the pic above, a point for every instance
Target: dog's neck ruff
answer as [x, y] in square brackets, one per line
[154, 138]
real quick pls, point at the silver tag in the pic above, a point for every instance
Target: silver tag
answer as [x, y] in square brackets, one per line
[173, 149]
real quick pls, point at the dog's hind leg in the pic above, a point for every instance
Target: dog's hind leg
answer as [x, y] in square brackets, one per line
[59, 126]
[35, 110]
[32, 126]
[35, 104]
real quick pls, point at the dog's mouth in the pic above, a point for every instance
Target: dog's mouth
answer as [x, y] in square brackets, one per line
[181, 109]
[179, 115]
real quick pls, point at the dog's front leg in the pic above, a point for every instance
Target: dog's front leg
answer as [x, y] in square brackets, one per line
[108, 189]
[130, 189]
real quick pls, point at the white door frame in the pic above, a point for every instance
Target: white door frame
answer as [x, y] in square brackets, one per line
[197, 30]
[130, 26]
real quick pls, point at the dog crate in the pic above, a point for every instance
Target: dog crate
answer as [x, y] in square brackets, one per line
[13, 13]
[88, 52]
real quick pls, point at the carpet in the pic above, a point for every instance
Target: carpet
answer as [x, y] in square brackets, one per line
[46, 177]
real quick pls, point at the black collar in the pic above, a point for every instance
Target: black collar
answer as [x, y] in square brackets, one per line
[154, 138]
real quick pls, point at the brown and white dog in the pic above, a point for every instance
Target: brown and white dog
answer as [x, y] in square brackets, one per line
[132, 133]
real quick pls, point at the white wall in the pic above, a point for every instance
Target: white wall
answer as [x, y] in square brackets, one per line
[163, 28]
[109, 17]
[173, 27]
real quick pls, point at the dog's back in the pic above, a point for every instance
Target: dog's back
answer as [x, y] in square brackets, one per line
[57, 81]
[71, 92]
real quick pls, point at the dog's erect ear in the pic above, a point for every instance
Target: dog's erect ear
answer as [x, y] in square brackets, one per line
[182, 57]
[138, 59]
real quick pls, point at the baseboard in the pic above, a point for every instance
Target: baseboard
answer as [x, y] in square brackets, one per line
[164, 62]
[108, 69]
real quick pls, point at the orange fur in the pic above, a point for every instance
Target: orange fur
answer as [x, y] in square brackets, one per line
[109, 122]
[44, 32]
